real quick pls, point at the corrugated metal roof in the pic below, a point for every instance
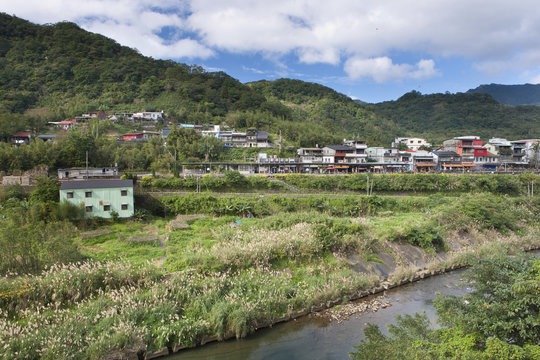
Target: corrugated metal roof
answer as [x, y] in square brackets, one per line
[95, 184]
[340, 147]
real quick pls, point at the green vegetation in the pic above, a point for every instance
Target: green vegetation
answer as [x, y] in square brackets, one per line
[497, 320]
[422, 183]
[448, 184]
[140, 286]
[526, 94]
[54, 72]
[440, 117]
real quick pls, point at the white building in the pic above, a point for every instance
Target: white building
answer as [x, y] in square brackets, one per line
[411, 142]
[150, 116]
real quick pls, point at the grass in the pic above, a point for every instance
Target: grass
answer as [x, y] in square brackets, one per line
[113, 246]
[228, 275]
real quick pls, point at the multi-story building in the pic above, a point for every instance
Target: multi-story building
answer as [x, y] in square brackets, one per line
[310, 155]
[99, 198]
[424, 161]
[412, 143]
[500, 147]
[519, 152]
[448, 160]
[464, 146]
[85, 174]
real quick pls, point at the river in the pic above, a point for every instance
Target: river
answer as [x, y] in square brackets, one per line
[313, 337]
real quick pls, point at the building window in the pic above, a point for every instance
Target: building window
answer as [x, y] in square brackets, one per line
[70, 194]
[124, 206]
[106, 207]
[123, 192]
[88, 208]
[88, 194]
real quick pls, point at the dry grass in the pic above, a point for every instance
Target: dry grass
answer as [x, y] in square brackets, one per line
[181, 221]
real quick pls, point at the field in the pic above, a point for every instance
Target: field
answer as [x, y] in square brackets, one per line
[231, 266]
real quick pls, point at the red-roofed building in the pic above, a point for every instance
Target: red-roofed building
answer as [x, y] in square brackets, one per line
[21, 137]
[133, 136]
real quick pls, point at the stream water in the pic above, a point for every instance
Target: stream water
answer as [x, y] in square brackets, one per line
[313, 337]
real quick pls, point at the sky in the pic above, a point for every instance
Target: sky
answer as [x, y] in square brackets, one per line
[371, 50]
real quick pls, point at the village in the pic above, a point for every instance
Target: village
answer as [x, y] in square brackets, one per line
[467, 153]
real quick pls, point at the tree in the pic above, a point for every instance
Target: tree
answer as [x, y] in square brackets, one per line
[211, 147]
[46, 190]
[504, 304]
[402, 147]
[497, 320]
[186, 142]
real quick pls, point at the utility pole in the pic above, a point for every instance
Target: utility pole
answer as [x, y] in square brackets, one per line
[175, 170]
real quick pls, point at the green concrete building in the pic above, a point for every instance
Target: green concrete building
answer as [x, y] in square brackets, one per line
[100, 197]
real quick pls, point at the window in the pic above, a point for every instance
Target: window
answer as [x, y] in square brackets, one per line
[88, 208]
[124, 206]
[106, 207]
[88, 194]
[70, 194]
[123, 192]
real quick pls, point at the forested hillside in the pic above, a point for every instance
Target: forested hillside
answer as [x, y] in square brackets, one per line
[442, 116]
[60, 70]
[526, 94]
[54, 72]
[316, 109]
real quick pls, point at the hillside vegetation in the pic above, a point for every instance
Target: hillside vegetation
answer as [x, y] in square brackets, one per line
[57, 71]
[526, 94]
[442, 116]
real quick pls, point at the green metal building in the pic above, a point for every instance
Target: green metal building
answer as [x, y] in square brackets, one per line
[100, 197]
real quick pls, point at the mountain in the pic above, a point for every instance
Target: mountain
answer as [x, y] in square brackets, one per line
[58, 71]
[527, 94]
[442, 116]
[67, 70]
[319, 110]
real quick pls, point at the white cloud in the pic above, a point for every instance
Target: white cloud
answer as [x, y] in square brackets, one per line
[497, 34]
[382, 69]
[253, 70]
[535, 80]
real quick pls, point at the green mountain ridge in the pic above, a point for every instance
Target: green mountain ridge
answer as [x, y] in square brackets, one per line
[525, 94]
[442, 116]
[54, 72]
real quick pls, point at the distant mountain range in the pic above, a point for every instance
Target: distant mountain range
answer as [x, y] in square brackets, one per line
[54, 72]
[527, 94]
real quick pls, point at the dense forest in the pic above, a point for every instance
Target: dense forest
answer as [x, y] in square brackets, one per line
[442, 116]
[57, 71]
[526, 94]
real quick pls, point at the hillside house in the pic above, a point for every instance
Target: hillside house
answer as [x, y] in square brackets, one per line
[100, 197]
[500, 147]
[411, 142]
[140, 136]
[148, 116]
[424, 161]
[448, 160]
[90, 173]
[21, 137]
[464, 146]
[310, 155]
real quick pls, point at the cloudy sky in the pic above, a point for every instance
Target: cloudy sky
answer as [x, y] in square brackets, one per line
[372, 50]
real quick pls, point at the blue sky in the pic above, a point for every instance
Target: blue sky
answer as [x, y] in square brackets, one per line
[372, 50]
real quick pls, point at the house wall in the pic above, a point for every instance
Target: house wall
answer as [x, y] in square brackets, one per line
[100, 198]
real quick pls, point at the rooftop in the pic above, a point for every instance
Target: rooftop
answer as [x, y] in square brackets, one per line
[96, 184]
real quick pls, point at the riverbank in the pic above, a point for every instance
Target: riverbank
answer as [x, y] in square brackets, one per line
[341, 309]
[225, 277]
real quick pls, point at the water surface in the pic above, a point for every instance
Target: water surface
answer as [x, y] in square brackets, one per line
[315, 338]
